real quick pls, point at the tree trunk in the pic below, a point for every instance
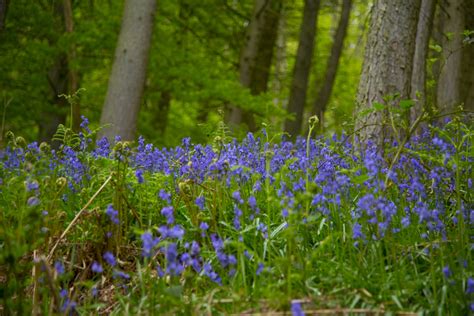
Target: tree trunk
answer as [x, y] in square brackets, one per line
[256, 56]
[449, 82]
[304, 55]
[57, 113]
[418, 79]
[388, 63]
[127, 79]
[73, 75]
[322, 99]
[467, 86]
[162, 113]
[280, 61]
[3, 13]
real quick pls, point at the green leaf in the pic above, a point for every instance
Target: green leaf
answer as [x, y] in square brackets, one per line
[378, 106]
[406, 104]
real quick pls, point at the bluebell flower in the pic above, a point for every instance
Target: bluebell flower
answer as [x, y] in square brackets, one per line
[357, 231]
[109, 258]
[470, 286]
[139, 175]
[259, 268]
[447, 272]
[33, 201]
[32, 186]
[112, 214]
[200, 202]
[59, 267]
[167, 212]
[96, 267]
[296, 309]
[120, 274]
[148, 244]
[165, 196]
[236, 196]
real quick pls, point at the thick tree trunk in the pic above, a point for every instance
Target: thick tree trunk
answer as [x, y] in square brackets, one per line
[127, 79]
[3, 13]
[256, 56]
[418, 79]
[322, 99]
[467, 86]
[73, 75]
[299, 86]
[449, 82]
[388, 63]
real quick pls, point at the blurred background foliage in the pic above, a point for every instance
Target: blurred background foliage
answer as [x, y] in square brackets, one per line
[193, 69]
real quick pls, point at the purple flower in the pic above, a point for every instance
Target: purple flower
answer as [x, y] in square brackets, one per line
[200, 202]
[109, 258]
[236, 196]
[33, 201]
[139, 175]
[165, 196]
[121, 274]
[357, 231]
[33, 185]
[296, 309]
[252, 202]
[85, 124]
[447, 272]
[260, 268]
[204, 227]
[167, 212]
[96, 267]
[59, 267]
[112, 214]
[148, 243]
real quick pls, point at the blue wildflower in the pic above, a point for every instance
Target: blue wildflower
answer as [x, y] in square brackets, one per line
[59, 267]
[148, 243]
[139, 175]
[200, 202]
[296, 309]
[109, 258]
[167, 212]
[112, 214]
[96, 267]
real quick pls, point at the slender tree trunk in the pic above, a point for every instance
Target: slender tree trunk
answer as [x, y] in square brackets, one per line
[322, 99]
[418, 79]
[163, 110]
[449, 82]
[467, 87]
[57, 113]
[73, 75]
[388, 63]
[127, 79]
[280, 62]
[3, 13]
[256, 56]
[299, 86]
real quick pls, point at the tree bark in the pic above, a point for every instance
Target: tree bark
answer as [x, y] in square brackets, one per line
[322, 99]
[256, 56]
[418, 79]
[449, 82]
[73, 75]
[3, 13]
[388, 63]
[467, 86]
[304, 55]
[162, 113]
[127, 79]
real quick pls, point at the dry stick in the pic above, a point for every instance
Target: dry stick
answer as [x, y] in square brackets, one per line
[77, 217]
